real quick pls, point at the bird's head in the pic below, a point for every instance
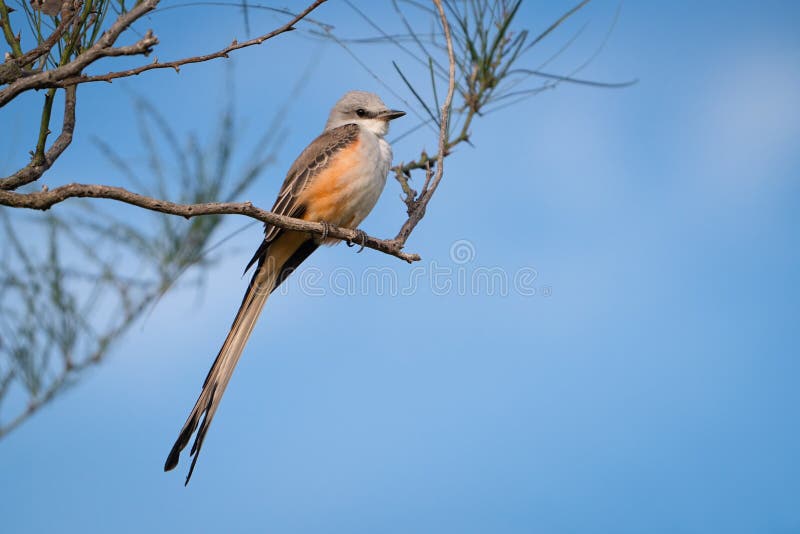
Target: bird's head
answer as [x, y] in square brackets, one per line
[365, 109]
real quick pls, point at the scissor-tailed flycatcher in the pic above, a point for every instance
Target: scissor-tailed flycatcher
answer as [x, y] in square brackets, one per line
[337, 180]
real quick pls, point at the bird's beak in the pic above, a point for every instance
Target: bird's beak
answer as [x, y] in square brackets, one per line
[391, 114]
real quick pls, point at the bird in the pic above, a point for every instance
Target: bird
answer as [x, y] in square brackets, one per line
[336, 180]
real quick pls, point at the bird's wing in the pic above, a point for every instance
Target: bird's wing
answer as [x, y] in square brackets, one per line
[305, 168]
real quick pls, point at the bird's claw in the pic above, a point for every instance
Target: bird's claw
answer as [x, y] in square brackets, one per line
[326, 227]
[361, 236]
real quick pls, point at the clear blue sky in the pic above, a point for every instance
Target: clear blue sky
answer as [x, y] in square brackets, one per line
[650, 384]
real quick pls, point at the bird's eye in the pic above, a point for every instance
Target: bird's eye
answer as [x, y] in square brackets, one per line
[361, 112]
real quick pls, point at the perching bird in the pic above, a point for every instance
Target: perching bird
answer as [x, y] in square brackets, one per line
[337, 180]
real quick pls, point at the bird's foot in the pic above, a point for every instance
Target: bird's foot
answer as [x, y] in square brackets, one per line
[361, 237]
[326, 228]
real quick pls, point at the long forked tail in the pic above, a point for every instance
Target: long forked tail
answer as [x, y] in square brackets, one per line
[283, 257]
[219, 375]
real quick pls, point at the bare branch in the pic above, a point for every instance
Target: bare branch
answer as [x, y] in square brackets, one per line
[34, 170]
[44, 200]
[418, 206]
[141, 47]
[177, 64]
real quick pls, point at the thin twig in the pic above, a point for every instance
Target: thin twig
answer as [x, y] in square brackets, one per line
[177, 64]
[11, 39]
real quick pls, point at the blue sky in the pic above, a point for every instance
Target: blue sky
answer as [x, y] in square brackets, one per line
[649, 385]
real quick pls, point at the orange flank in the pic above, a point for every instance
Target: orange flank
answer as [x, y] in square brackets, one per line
[326, 196]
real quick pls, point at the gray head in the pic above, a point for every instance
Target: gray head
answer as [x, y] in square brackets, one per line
[364, 109]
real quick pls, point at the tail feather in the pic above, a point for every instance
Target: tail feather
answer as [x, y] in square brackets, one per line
[270, 272]
[220, 373]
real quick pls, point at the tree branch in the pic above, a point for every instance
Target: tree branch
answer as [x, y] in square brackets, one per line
[74, 67]
[34, 170]
[177, 64]
[44, 200]
[14, 68]
[418, 205]
[11, 39]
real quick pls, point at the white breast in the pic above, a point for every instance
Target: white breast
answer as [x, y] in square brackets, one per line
[366, 186]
